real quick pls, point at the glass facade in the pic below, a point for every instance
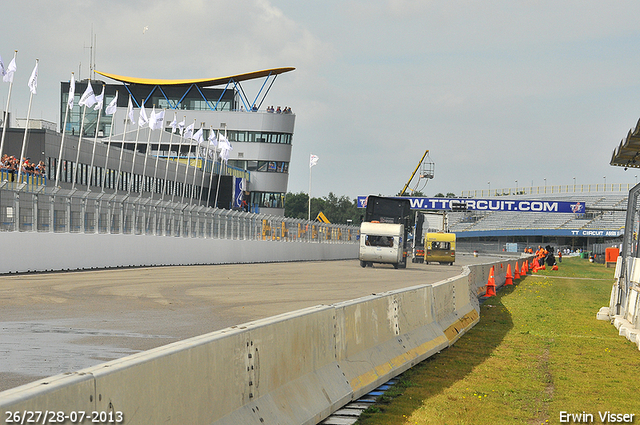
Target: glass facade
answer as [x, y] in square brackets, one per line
[167, 97]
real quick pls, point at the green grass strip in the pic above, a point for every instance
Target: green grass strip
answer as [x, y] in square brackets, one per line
[537, 351]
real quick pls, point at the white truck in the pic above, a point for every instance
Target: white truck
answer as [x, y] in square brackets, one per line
[383, 233]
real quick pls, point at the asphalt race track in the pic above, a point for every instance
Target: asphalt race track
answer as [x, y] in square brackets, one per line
[52, 323]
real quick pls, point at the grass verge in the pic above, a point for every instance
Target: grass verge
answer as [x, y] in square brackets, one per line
[537, 351]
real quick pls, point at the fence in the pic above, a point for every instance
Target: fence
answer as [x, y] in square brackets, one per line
[27, 207]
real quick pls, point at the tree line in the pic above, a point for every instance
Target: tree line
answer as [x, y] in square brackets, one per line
[338, 210]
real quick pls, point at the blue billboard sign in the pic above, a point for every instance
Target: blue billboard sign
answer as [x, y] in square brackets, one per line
[494, 204]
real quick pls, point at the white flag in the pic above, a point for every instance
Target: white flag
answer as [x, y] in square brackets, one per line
[112, 106]
[3, 71]
[188, 131]
[11, 69]
[198, 136]
[156, 119]
[99, 100]
[88, 99]
[72, 91]
[142, 118]
[160, 119]
[225, 148]
[174, 123]
[130, 111]
[152, 119]
[213, 141]
[313, 160]
[33, 80]
[224, 154]
[181, 127]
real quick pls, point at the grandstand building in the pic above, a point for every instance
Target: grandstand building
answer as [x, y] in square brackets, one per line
[160, 164]
[602, 222]
[261, 140]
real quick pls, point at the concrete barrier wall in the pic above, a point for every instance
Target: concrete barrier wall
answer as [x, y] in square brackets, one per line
[295, 368]
[627, 320]
[35, 251]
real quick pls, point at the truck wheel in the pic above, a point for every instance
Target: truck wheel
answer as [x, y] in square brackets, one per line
[396, 265]
[363, 264]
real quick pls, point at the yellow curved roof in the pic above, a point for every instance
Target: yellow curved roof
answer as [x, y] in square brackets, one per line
[202, 82]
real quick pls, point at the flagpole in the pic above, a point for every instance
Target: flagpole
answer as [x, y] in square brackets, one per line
[26, 129]
[309, 215]
[73, 183]
[215, 205]
[204, 167]
[154, 183]
[95, 141]
[213, 163]
[175, 174]
[195, 170]
[106, 160]
[64, 132]
[6, 111]
[220, 170]
[124, 134]
[166, 168]
[144, 164]
[186, 171]
[135, 154]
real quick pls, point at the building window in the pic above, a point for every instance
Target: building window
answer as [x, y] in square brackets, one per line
[267, 199]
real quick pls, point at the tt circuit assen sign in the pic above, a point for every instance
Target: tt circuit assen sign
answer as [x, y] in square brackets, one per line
[489, 205]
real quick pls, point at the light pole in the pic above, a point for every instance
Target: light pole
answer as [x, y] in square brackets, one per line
[516, 187]
[545, 185]
[574, 184]
[605, 183]
[489, 183]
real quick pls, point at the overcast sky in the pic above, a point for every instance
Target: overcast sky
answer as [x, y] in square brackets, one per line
[498, 91]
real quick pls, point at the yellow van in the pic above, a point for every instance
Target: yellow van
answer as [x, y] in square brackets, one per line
[440, 247]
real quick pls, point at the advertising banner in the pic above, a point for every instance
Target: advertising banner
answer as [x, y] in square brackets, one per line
[493, 204]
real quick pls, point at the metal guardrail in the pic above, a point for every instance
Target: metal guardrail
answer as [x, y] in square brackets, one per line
[28, 208]
[549, 190]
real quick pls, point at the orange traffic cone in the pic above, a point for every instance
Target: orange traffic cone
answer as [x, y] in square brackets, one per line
[525, 263]
[517, 273]
[555, 267]
[509, 278]
[542, 267]
[491, 284]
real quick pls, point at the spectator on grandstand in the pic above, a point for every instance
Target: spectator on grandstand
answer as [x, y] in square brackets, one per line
[40, 169]
[9, 164]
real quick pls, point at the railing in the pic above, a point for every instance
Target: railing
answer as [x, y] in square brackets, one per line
[549, 190]
[24, 208]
